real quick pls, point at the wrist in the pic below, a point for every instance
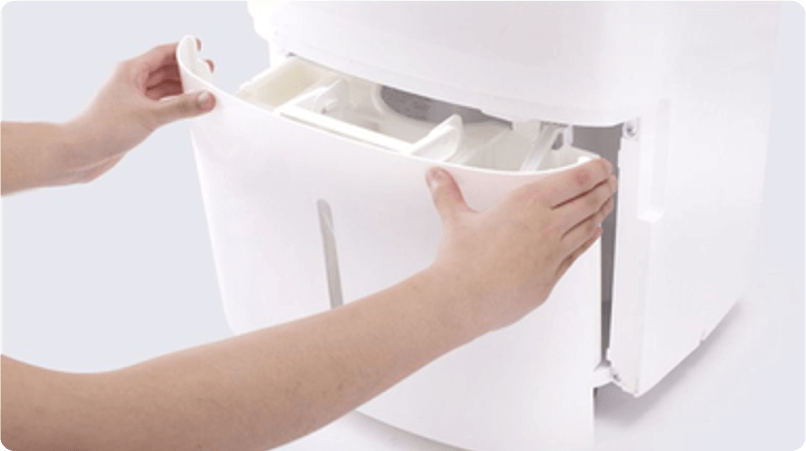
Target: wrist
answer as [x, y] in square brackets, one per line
[78, 152]
[77, 140]
[67, 145]
[453, 302]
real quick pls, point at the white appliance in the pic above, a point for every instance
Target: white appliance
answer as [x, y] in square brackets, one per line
[312, 179]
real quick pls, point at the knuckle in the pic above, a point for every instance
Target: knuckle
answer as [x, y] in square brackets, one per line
[611, 184]
[607, 167]
[551, 229]
[583, 177]
[603, 193]
[593, 201]
[543, 195]
[186, 106]
[159, 50]
[537, 190]
[609, 205]
[148, 118]
[123, 67]
[437, 188]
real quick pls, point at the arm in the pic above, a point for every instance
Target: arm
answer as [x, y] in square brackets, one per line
[31, 153]
[250, 392]
[266, 388]
[143, 94]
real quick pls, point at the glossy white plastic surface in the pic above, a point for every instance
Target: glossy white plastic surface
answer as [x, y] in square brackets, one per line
[586, 63]
[690, 185]
[691, 78]
[264, 175]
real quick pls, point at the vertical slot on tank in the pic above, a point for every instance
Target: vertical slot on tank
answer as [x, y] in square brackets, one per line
[331, 256]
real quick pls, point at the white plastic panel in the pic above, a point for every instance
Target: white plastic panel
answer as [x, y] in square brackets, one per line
[690, 189]
[262, 175]
[589, 63]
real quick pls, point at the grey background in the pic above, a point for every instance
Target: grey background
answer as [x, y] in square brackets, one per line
[107, 274]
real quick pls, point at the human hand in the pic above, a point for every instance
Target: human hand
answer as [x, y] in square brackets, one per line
[506, 260]
[143, 94]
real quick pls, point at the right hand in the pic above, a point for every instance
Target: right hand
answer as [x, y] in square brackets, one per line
[506, 260]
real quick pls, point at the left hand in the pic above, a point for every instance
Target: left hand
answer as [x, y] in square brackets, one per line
[143, 94]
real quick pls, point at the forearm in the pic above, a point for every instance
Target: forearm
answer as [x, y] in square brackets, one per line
[144, 93]
[33, 154]
[263, 389]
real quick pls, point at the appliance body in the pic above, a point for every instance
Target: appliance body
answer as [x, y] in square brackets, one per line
[313, 184]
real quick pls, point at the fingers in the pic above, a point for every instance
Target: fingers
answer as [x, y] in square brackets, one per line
[159, 56]
[162, 74]
[566, 185]
[165, 89]
[446, 194]
[565, 264]
[582, 231]
[576, 210]
[170, 72]
[183, 106]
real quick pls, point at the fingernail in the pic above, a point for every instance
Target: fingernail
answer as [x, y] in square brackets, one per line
[433, 176]
[205, 101]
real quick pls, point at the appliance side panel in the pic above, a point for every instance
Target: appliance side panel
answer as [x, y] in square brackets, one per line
[690, 201]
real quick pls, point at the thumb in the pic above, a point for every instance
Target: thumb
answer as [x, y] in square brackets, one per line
[184, 106]
[447, 196]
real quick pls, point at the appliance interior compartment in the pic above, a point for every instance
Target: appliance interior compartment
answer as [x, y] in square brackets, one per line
[398, 121]
[314, 193]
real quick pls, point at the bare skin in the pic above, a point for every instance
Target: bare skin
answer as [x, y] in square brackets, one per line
[264, 389]
[143, 94]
